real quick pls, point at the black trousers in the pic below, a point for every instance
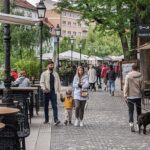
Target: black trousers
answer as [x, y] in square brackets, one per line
[131, 103]
[79, 109]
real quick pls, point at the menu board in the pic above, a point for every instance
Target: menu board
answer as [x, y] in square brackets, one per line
[126, 67]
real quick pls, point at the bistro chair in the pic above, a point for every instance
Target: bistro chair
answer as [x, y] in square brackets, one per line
[9, 138]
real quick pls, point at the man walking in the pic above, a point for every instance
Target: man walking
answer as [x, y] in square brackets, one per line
[111, 77]
[133, 93]
[50, 84]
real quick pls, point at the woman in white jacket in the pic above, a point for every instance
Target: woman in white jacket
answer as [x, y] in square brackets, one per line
[80, 83]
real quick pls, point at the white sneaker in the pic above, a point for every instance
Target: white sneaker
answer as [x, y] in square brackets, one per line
[137, 127]
[81, 124]
[132, 127]
[76, 122]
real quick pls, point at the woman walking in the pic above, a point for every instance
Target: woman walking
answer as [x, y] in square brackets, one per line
[80, 85]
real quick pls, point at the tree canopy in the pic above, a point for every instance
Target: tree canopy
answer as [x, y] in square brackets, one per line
[121, 16]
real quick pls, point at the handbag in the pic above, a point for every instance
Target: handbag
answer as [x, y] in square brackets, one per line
[84, 93]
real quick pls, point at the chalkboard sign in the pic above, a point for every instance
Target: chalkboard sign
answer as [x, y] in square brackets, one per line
[126, 67]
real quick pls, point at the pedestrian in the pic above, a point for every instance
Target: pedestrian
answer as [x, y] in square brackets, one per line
[80, 85]
[103, 75]
[111, 77]
[50, 84]
[98, 73]
[133, 93]
[22, 80]
[92, 77]
[68, 105]
[14, 74]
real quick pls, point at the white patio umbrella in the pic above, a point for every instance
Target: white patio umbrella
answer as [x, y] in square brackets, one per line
[75, 55]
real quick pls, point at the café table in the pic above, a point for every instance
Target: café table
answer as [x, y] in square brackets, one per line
[7, 111]
[24, 91]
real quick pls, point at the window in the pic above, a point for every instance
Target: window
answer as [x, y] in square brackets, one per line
[74, 33]
[69, 23]
[64, 22]
[79, 33]
[74, 24]
[69, 33]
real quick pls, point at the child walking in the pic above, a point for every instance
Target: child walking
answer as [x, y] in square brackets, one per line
[68, 105]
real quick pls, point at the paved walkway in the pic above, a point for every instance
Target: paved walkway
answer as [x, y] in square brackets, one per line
[106, 128]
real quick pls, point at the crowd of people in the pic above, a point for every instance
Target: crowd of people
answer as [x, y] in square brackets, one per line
[86, 78]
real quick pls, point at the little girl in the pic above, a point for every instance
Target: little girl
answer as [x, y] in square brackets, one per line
[68, 105]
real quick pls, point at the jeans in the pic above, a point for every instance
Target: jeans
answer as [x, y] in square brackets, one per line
[131, 103]
[53, 97]
[98, 80]
[111, 86]
[79, 109]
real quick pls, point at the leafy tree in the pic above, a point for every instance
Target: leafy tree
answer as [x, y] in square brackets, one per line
[114, 16]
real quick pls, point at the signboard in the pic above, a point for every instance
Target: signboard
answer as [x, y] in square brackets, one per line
[126, 67]
[143, 30]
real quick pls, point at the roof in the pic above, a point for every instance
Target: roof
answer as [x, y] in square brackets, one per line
[14, 19]
[145, 46]
[25, 4]
[47, 22]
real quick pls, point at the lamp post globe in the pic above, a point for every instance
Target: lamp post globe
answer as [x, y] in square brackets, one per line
[58, 31]
[41, 9]
[58, 34]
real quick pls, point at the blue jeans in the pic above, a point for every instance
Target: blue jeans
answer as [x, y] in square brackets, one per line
[53, 97]
[111, 86]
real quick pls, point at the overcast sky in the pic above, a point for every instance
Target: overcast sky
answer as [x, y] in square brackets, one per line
[35, 1]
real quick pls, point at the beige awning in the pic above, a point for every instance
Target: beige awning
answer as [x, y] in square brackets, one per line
[144, 46]
[14, 19]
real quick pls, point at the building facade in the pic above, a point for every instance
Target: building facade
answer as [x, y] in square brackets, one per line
[69, 22]
[24, 8]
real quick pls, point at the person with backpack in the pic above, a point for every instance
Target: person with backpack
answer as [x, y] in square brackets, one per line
[111, 77]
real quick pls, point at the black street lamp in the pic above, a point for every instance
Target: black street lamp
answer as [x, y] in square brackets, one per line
[41, 9]
[80, 46]
[72, 43]
[58, 34]
[7, 46]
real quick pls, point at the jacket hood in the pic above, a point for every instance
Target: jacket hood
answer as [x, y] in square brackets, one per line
[134, 74]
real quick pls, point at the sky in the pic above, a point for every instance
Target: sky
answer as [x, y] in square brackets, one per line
[35, 1]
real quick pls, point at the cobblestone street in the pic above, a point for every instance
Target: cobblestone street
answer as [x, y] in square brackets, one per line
[106, 128]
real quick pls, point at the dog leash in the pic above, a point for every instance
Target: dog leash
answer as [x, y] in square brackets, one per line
[137, 105]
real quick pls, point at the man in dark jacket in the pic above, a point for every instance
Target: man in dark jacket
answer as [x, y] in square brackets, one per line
[111, 77]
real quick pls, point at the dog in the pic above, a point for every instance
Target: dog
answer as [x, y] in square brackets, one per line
[143, 119]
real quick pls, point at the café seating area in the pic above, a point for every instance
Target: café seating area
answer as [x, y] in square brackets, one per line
[16, 118]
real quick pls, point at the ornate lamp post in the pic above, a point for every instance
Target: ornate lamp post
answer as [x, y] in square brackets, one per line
[72, 43]
[58, 34]
[80, 46]
[7, 47]
[41, 9]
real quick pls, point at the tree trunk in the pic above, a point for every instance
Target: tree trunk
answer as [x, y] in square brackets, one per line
[133, 24]
[125, 46]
